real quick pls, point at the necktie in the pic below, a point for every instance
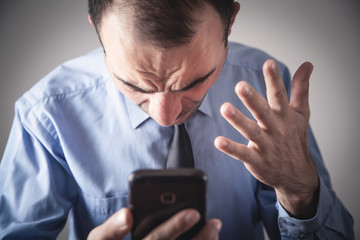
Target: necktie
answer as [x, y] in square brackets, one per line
[180, 151]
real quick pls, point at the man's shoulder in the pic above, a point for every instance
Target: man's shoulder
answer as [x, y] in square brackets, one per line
[72, 77]
[246, 56]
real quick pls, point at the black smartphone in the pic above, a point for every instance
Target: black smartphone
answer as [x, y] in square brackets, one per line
[156, 195]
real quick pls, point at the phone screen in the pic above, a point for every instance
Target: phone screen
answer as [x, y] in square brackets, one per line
[156, 195]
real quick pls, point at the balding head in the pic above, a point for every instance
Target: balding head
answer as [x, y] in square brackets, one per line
[164, 23]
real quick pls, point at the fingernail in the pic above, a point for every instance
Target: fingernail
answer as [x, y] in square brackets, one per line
[192, 217]
[243, 88]
[227, 110]
[220, 143]
[121, 219]
[217, 225]
[246, 90]
[230, 111]
[273, 66]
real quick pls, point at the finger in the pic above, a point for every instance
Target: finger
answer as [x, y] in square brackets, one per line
[275, 88]
[247, 127]
[176, 225]
[256, 104]
[116, 227]
[234, 149]
[299, 99]
[210, 231]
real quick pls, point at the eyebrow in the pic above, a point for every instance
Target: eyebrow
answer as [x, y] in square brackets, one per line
[191, 85]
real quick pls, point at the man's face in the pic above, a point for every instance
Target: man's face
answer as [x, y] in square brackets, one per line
[168, 84]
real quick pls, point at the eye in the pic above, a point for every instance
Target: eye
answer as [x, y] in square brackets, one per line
[134, 88]
[200, 82]
[197, 84]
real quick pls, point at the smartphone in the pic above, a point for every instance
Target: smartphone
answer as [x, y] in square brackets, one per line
[156, 195]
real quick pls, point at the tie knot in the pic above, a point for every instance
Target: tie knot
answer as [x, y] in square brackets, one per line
[180, 127]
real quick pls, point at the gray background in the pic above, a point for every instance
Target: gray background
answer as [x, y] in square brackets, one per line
[37, 35]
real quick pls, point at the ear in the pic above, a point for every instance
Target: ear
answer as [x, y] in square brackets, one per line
[233, 17]
[90, 20]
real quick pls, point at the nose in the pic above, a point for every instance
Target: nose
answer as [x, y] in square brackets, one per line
[164, 108]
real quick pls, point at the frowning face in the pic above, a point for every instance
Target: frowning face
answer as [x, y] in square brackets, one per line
[168, 84]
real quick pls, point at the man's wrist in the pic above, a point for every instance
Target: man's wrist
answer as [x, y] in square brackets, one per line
[300, 207]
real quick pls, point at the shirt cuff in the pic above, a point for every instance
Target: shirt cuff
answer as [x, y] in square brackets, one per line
[295, 228]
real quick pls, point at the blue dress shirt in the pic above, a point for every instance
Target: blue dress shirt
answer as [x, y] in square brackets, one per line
[75, 139]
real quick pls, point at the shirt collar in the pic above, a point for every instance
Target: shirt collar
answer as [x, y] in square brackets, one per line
[138, 116]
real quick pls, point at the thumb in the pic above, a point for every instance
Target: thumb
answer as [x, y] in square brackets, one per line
[116, 227]
[299, 98]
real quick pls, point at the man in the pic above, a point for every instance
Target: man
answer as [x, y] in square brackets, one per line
[84, 128]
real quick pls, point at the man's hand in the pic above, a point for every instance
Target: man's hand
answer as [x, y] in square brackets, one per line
[116, 227]
[120, 224]
[277, 153]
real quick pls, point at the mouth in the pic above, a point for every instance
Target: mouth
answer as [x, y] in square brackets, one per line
[182, 119]
[187, 113]
[183, 116]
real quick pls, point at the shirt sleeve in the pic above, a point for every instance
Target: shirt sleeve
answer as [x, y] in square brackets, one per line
[332, 221]
[36, 190]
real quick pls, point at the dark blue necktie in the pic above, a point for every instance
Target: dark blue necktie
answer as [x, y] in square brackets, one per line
[180, 151]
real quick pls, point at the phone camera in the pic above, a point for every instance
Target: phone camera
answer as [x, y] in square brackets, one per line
[168, 198]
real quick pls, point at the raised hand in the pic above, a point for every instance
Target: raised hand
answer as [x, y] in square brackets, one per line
[277, 153]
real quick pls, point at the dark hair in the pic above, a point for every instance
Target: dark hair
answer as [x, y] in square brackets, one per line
[165, 23]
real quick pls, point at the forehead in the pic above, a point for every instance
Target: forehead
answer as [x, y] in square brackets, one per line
[124, 49]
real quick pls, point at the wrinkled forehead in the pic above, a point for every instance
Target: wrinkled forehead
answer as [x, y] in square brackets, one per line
[120, 30]
[126, 53]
